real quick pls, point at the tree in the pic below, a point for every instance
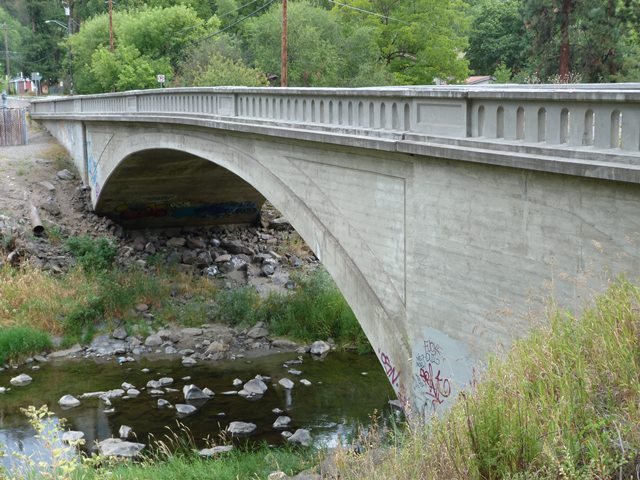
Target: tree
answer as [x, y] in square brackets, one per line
[497, 36]
[417, 41]
[157, 38]
[313, 44]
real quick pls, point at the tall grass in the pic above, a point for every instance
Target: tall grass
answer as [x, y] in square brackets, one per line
[16, 341]
[564, 403]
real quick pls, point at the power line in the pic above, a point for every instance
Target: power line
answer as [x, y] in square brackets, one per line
[235, 10]
[235, 23]
[368, 12]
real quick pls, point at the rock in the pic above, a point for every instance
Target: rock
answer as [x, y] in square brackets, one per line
[150, 248]
[284, 343]
[208, 392]
[65, 175]
[305, 382]
[72, 436]
[267, 269]
[154, 384]
[196, 243]
[115, 447]
[185, 410]
[236, 246]
[164, 381]
[119, 333]
[21, 380]
[176, 242]
[142, 307]
[282, 422]
[125, 431]
[153, 341]
[210, 452]
[217, 347]
[277, 411]
[189, 361]
[127, 386]
[3, 390]
[48, 185]
[189, 257]
[255, 386]
[286, 383]
[162, 403]
[241, 428]
[69, 401]
[115, 393]
[279, 475]
[293, 371]
[40, 359]
[66, 353]
[258, 331]
[279, 223]
[191, 392]
[191, 332]
[133, 392]
[237, 382]
[319, 347]
[156, 392]
[230, 392]
[301, 437]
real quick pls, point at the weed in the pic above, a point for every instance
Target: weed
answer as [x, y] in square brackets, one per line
[94, 255]
[15, 341]
[238, 306]
[562, 404]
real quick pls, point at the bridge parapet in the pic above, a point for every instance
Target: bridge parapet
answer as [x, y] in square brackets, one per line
[587, 122]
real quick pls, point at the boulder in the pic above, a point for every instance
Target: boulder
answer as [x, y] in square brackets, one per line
[119, 333]
[125, 431]
[210, 452]
[301, 437]
[115, 447]
[241, 428]
[286, 383]
[189, 361]
[319, 347]
[162, 403]
[72, 436]
[184, 409]
[69, 401]
[191, 392]
[21, 380]
[282, 422]
[153, 341]
[255, 386]
[258, 331]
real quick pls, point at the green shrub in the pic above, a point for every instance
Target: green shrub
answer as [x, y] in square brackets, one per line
[238, 306]
[316, 309]
[93, 255]
[16, 341]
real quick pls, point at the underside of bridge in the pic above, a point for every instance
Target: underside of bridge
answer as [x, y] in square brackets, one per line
[161, 187]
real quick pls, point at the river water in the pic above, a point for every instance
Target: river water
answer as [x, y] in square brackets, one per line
[346, 389]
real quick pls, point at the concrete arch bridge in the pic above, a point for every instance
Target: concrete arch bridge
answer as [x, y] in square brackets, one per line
[446, 215]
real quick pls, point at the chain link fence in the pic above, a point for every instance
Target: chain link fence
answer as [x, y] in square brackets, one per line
[13, 126]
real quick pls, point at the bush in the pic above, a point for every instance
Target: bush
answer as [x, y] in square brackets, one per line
[238, 306]
[92, 255]
[16, 341]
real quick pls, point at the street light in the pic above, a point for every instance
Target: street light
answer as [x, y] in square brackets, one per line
[62, 25]
[59, 23]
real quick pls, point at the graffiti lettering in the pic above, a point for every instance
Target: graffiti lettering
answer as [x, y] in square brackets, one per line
[438, 388]
[392, 374]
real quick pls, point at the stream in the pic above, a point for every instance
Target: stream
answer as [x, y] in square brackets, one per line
[346, 389]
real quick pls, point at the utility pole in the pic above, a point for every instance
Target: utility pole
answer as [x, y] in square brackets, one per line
[111, 25]
[5, 27]
[283, 53]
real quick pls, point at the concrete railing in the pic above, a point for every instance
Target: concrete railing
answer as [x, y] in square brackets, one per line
[585, 117]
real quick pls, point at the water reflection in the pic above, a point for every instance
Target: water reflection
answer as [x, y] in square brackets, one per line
[339, 398]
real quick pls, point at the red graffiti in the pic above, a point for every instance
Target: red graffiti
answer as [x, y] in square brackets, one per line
[392, 374]
[437, 388]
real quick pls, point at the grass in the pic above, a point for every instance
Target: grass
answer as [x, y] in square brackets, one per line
[16, 341]
[562, 404]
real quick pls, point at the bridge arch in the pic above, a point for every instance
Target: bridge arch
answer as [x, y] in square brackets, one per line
[378, 302]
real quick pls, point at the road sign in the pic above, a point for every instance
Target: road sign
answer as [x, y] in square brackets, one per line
[160, 78]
